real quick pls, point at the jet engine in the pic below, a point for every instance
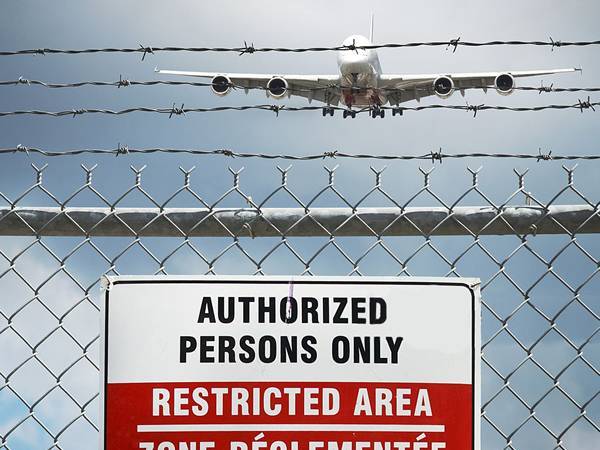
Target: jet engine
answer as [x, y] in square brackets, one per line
[504, 83]
[443, 86]
[221, 85]
[277, 87]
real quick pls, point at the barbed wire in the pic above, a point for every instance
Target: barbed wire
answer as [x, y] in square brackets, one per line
[124, 82]
[433, 156]
[174, 110]
[249, 49]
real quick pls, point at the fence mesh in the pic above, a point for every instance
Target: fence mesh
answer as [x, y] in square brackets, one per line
[540, 311]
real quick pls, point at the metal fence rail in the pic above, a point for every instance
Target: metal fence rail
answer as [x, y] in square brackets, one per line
[261, 222]
[539, 261]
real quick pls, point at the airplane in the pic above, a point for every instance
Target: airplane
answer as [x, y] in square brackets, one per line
[361, 82]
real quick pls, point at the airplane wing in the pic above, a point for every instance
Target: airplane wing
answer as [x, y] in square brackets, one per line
[311, 87]
[415, 87]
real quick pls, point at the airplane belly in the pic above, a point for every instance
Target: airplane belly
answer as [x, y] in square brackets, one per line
[360, 88]
[362, 97]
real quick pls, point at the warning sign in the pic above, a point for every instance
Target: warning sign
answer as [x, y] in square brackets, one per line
[273, 363]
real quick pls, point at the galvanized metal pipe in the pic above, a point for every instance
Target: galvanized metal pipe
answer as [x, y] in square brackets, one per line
[223, 222]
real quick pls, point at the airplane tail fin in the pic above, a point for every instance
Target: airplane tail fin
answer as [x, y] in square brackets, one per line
[371, 34]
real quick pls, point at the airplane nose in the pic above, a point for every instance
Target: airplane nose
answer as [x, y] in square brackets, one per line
[349, 68]
[351, 62]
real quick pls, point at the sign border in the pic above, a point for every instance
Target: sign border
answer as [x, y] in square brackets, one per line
[471, 284]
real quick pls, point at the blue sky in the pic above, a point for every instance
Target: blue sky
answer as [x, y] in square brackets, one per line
[79, 24]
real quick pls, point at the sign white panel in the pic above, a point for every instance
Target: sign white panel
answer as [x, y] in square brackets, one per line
[350, 359]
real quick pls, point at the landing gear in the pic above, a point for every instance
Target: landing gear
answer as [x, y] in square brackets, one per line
[397, 111]
[328, 110]
[349, 113]
[377, 111]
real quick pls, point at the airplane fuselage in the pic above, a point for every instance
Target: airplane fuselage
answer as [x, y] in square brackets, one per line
[359, 74]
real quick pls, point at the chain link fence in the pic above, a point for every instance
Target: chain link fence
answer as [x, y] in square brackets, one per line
[538, 259]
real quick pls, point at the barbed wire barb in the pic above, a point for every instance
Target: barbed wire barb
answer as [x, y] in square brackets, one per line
[544, 156]
[555, 44]
[543, 88]
[146, 50]
[123, 82]
[436, 156]
[22, 148]
[474, 108]
[454, 44]
[225, 152]
[122, 150]
[586, 104]
[248, 49]
[276, 109]
[177, 111]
